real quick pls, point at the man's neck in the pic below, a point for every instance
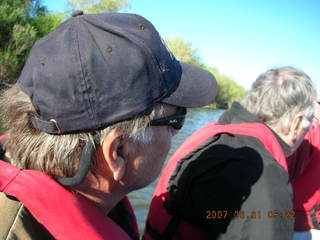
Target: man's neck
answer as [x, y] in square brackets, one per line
[100, 192]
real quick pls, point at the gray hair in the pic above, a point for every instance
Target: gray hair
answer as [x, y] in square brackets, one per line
[279, 94]
[56, 155]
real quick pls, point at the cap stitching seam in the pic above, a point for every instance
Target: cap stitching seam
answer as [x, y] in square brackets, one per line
[85, 89]
[94, 40]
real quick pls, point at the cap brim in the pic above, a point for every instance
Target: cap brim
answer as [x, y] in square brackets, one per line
[197, 88]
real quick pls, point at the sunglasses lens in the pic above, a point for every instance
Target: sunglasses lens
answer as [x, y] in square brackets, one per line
[175, 121]
[179, 124]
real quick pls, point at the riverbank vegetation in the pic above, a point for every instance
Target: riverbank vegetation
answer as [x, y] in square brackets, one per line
[22, 23]
[228, 91]
[25, 21]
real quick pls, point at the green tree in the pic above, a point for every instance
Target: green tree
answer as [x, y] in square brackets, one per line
[228, 91]
[25, 21]
[98, 6]
[184, 51]
[22, 23]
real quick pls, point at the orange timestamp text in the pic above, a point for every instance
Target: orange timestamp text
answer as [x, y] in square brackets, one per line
[254, 214]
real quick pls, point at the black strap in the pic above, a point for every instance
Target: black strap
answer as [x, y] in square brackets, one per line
[169, 231]
[2, 152]
[45, 126]
[84, 165]
[152, 232]
[315, 222]
[171, 228]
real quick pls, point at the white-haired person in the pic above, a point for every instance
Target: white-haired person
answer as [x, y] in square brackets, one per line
[304, 174]
[230, 180]
[91, 119]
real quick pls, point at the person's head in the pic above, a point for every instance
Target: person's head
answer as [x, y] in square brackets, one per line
[95, 89]
[59, 155]
[316, 118]
[284, 99]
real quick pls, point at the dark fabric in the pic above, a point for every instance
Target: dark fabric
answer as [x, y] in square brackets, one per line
[120, 215]
[233, 188]
[17, 223]
[98, 69]
[2, 151]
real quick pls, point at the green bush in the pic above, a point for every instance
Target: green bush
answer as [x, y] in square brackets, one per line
[22, 23]
[228, 90]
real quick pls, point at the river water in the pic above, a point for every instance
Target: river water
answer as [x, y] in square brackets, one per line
[196, 118]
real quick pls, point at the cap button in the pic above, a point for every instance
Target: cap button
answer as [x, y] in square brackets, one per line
[77, 13]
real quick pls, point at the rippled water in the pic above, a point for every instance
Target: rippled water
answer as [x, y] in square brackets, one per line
[196, 118]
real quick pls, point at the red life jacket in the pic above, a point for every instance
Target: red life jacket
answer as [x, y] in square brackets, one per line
[65, 214]
[306, 183]
[159, 219]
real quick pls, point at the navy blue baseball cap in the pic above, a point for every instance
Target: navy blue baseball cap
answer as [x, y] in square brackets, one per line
[98, 69]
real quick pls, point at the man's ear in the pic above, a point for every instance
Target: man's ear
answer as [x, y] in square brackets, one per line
[113, 151]
[295, 126]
